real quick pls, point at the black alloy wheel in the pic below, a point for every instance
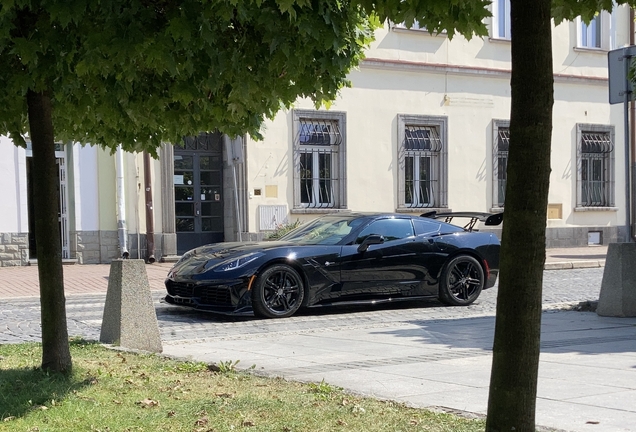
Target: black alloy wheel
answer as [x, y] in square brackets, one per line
[462, 281]
[278, 292]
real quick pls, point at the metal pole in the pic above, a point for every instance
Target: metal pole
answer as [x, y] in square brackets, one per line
[121, 203]
[150, 221]
[626, 97]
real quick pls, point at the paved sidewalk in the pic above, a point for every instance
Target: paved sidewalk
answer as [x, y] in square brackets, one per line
[587, 372]
[93, 278]
[78, 279]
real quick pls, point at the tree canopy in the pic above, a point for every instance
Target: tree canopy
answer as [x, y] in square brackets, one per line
[145, 71]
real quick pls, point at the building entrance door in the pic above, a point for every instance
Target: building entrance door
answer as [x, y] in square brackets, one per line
[198, 191]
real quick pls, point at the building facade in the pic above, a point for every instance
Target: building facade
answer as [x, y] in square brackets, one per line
[423, 127]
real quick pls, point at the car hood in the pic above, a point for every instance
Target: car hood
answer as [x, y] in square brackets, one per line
[202, 258]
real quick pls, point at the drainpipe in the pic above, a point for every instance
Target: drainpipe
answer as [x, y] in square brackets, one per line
[632, 114]
[121, 203]
[150, 223]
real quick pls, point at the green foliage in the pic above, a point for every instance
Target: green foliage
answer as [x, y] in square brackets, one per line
[142, 72]
[324, 391]
[191, 367]
[283, 229]
[466, 17]
[228, 366]
[570, 9]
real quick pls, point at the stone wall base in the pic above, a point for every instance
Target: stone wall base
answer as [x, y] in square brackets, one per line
[102, 247]
[14, 249]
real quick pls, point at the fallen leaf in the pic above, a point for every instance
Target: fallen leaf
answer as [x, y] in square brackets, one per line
[148, 403]
[171, 413]
[224, 395]
[592, 422]
[414, 422]
[341, 422]
[248, 423]
[358, 409]
[116, 402]
[6, 419]
[201, 422]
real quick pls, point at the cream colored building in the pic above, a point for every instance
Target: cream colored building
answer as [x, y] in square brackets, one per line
[423, 127]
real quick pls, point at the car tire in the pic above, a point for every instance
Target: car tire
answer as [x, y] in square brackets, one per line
[278, 292]
[462, 281]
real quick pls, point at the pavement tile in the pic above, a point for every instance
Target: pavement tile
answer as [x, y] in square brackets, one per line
[583, 418]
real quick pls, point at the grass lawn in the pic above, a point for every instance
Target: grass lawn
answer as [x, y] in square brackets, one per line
[122, 391]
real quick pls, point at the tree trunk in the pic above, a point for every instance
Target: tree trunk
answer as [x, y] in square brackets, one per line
[513, 382]
[56, 355]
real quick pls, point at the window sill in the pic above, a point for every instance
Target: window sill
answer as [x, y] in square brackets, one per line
[422, 210]
[590, 50]
[305, 210]
[417, 30]
[595, 209]
[499, 40]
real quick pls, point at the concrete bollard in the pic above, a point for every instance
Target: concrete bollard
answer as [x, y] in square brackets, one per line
[130, 320]
[618, 289]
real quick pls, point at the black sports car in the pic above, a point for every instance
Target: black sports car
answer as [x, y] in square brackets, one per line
[341, 258]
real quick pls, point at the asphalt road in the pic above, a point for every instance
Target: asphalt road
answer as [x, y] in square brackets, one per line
[20, 317]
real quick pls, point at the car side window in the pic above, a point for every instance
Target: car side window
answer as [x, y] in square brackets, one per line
[425, 227]
[390, 229]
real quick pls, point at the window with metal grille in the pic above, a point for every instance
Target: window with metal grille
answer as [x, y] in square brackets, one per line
[201, 142]
[595, 176]
[422, 157]
[318, 155]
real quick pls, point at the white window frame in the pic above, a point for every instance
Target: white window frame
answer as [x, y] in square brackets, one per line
[336, 149]
[498, 126]
[438, 159]
[608, 166]
[599, 34]
[501, 19]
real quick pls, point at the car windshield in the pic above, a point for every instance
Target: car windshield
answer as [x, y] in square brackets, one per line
[328, 230]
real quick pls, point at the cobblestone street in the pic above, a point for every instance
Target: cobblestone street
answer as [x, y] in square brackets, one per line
[20, 318]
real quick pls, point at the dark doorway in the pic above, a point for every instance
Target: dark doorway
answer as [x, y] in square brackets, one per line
[198, 191]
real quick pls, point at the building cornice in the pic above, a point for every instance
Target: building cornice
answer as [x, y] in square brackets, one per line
[406, 65]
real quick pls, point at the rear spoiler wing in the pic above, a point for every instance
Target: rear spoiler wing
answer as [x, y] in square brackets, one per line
[489, 219]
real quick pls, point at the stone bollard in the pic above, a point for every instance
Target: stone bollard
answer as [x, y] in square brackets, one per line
[130, 320]
[618, 289]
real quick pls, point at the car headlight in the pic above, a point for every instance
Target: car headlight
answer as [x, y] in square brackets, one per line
[237, 262]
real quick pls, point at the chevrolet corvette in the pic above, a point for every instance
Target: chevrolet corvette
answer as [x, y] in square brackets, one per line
[342, 258]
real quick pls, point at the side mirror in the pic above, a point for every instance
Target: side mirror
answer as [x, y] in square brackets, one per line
[370, 240]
